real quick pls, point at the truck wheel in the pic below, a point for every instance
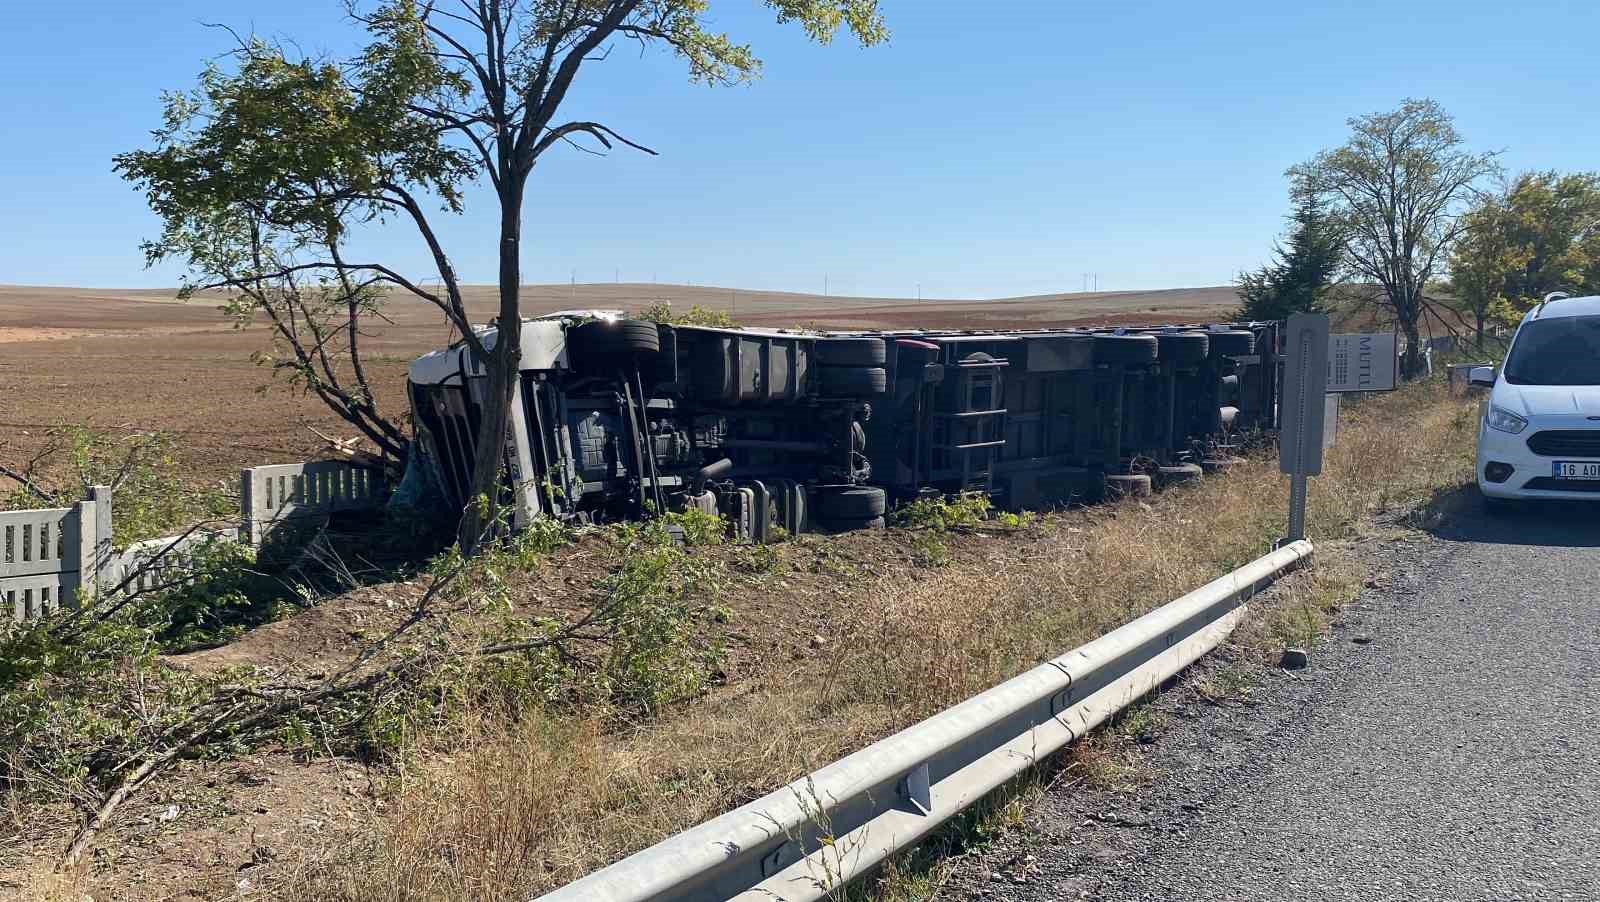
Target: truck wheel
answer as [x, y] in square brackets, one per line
[1237, 343]
[1128, 486]
[1179, 473]
[840, 526]
[1220, 464]
[852, 381]
[1183, 347]
[851, 502]
[603, 345]
[851, 352]
[1135, 350]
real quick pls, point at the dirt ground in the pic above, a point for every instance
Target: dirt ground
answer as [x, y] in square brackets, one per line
[142, 360]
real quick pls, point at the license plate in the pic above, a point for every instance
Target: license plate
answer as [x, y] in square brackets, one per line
[1570, 469]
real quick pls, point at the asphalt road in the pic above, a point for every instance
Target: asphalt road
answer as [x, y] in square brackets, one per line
[1444, 744]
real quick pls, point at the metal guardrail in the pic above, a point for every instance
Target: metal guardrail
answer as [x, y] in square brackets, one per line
[811, 837]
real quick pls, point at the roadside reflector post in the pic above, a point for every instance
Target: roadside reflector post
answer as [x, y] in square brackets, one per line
[1304, 412]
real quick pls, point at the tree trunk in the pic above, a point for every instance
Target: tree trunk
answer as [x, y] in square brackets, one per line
[503, 367]
[1479, 340]
[1411, 363]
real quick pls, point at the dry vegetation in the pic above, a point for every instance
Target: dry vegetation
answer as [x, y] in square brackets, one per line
[829, 644]
[539, 801]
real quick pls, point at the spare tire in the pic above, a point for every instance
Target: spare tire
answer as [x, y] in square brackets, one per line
[1236, 343]
[852, 381]
[1183, 348]
[851, 502]
[851, 352]
[1133, 350]
[602, 345]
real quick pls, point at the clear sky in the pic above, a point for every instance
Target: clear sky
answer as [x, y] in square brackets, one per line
[989, 149]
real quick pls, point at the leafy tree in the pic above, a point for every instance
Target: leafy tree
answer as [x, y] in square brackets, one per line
[1396, 191]
[263, 172]
[1298, 280]
[1540, 234]
[1481, 263]
[1555, 221]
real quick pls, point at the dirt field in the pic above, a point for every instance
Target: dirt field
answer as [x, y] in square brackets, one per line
[141, 360]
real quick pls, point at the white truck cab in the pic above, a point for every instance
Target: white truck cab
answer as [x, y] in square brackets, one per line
[1539, 437]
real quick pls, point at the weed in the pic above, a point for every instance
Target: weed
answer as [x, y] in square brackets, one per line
[942, 514]
[928, 549]
[699, 527]
[696, 315]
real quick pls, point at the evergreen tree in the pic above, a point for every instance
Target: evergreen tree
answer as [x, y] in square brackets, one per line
[1297, 280]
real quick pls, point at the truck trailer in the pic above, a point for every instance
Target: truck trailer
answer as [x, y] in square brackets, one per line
[615, 418]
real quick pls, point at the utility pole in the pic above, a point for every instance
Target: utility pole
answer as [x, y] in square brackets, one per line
[919, 291]
[824, 284]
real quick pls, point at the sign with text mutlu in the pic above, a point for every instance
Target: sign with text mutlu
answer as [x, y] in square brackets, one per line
[1361, 362]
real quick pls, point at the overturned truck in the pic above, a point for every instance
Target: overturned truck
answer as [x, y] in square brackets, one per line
[616, 418]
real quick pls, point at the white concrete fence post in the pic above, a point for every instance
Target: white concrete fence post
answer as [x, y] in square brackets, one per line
[57, 557]
[78, 550]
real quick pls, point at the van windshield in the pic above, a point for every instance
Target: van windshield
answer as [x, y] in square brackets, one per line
[1560, 351]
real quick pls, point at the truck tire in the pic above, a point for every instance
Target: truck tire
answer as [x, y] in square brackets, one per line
[841, 526]
[1220, 464]
[851, 502]
[1131, 350]
[851, 352]
[1178, 473]
[1183, 348]
[852, 381]
[603, 345]
[1236, 343]
[1119, 486]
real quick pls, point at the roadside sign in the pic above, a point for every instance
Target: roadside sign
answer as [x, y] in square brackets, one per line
[1303, 411]
[1361, 362]
[1303, 406]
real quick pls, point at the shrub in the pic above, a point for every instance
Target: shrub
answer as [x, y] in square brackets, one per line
[963, 511]
[696, 315]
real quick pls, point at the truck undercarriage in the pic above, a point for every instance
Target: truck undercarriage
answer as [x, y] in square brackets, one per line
[614, 418]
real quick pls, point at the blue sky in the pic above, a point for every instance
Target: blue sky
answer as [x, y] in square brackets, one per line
[989, 149]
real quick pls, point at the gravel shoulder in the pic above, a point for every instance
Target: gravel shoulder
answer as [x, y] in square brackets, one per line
[1440, 746]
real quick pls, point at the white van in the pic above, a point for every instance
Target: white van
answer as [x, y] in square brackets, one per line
[1540, 434]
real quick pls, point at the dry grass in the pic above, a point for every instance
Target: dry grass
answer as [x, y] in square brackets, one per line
[533, 803]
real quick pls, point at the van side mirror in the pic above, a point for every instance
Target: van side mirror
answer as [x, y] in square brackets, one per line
[1481, 376]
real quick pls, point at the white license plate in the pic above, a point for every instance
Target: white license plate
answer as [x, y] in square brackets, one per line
[1572, 469]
